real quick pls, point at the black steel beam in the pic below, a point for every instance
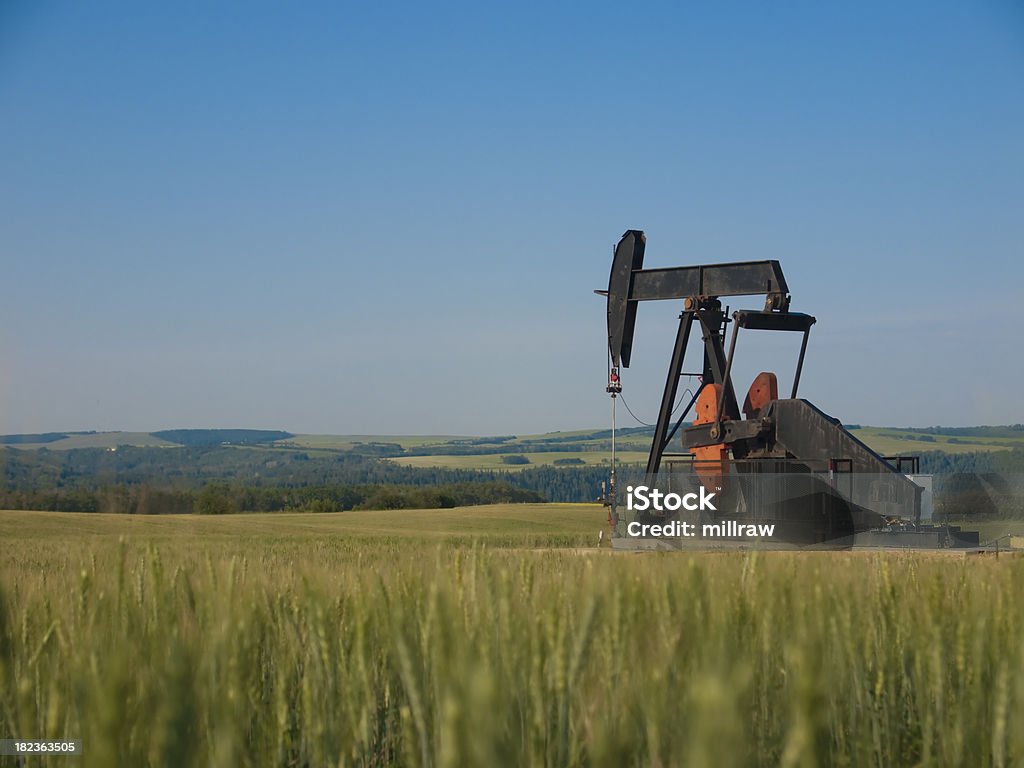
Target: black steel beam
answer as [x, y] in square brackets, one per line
[715, 362]
[773, 321]
[740, 278]
[800, 363]
[682, 416]
[629, 283]
[675, 369]
[726, 432]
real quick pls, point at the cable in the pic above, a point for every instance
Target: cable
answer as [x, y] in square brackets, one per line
[633, 414]
[674, 409]
[680, 401]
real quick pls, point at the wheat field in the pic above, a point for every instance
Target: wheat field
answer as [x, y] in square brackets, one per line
[243, 645]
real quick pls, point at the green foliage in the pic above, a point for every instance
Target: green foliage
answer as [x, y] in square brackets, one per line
[556, 442]
[215, 499]
[443, 497]
[160, 480]
[482, 440]
[1003, 462]
[47, 480]
[218, 498]
[376, 449]
[45, 437]
[1015, 431]
[205, 437]
[375, 652]
[978, 496]
[515, 458]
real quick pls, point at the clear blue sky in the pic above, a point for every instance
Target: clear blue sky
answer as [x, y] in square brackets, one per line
[389, 218]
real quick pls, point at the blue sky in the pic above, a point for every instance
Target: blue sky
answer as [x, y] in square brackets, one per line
[389, 218]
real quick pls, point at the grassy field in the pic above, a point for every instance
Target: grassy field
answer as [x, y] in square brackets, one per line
[887, 441]
[99, 440]
[505, 524]
[495, 460]
[470, 637]
[891, 441]
[347, 442]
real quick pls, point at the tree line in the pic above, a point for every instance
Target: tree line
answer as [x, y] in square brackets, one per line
[219, 497]
[159, 480]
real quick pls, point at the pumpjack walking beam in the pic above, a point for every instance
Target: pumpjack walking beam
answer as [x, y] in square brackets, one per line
[701, 288]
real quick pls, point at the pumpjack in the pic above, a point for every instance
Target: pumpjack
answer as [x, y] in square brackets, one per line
[775, 458]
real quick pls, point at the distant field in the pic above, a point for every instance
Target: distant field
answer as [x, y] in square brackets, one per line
[884, 440]
[346, 442]
[494, 460]
[890, 441]
[99, 440]
[548, 524]
[534, 523]
[592, 445]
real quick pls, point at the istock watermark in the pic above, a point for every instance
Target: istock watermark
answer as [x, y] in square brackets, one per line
[641, 498]
[724, 529]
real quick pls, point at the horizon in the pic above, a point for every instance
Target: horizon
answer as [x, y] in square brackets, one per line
[633, 428]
